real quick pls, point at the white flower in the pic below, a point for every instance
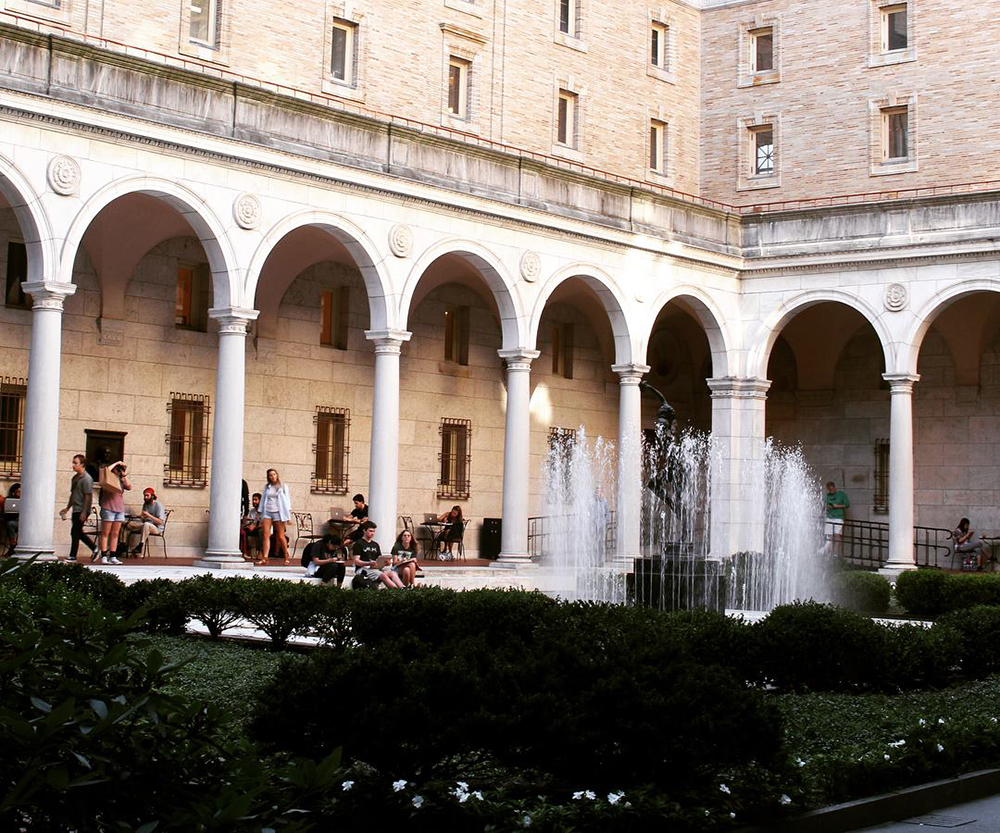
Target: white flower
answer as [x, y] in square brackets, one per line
[921, 722]
[886, 757]
[940, 748]
[418, 801]
[993, 720]
[941, 721]
[614, 798]
[784, 800]
[800, 762]
[347, 785]
[398, 785]
[526, 821]
[463, 786]
[732, 815]
[477, 794]
[725, 789]
[707, 813]
[898, 743]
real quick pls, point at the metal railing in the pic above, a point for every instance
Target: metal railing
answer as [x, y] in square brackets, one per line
[539, 532]
[866, 543]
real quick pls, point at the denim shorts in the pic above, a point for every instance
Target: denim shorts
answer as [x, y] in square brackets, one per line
[272, 516]
[111, 515]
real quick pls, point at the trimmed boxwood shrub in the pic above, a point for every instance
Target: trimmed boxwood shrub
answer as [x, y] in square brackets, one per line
[157, 598]
[214, 602]
[862, 591]
[107, 588]
[973, 631]
[932, 592]
[279, 608]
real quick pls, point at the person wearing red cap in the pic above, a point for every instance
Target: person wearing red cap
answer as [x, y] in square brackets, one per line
[150, 519]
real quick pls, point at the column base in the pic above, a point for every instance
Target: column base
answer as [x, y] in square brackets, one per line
[891, 571]
[223, 561]
[512, 560]
[39, 555]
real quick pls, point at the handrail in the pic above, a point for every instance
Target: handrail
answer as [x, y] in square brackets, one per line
[334, 102]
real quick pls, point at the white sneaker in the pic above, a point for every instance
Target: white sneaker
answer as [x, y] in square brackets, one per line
[105, 559]
[114, 560]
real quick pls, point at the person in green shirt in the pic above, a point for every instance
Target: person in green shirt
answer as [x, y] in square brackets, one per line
[837, 503]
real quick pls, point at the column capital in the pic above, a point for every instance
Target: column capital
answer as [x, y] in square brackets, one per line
[739, 387]
[48, 294]
[630, 374]
[519, 358]
[233, 320]
[388, 341]
[901, 382]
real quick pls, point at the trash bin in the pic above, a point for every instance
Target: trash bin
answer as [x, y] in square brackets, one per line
[489, 538]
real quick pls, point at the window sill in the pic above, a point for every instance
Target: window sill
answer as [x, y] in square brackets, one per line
[466, 6]
[661, 74]
[209, 54]
[903, 166]
[341, 90]
[759, 79]
[660, 178]
[461, 371]
[568, 40]
[900, 56]
[43, 13]
[459, 124]
[752, 183]
[566, 152]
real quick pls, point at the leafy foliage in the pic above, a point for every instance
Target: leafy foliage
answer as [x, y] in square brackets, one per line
[862, 591]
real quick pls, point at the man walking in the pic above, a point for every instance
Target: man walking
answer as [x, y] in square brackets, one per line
[81, 497]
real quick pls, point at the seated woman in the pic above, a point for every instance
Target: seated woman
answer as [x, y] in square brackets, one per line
[451, 534]
[967, 542]
[324, 559]
[404, 556]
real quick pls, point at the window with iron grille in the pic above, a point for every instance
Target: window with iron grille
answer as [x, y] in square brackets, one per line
[331, 450]
[562, 438]
[12, 400]
[880, 501]
[455, 458]
[187, 442]
[17, 273]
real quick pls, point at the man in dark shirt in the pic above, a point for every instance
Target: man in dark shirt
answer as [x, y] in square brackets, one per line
[360, 512]
[366, 555]
[324, 559]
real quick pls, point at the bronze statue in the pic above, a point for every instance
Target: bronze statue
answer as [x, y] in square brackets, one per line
[663, 481]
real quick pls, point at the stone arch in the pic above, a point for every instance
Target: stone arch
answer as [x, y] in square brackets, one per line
[364, 253]
[32, 219]
[711, 318]
[226, 284]
[937, 303]
[610, 296]
[489, 268]
[760, 349]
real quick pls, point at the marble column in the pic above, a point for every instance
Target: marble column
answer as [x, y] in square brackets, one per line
[227, 438]
[628, 500]
[41, 420]
[516, 456]
[901, 555]
[383, 480]
[738, 507]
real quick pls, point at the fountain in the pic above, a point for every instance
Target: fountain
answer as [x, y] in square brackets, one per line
[676, 569]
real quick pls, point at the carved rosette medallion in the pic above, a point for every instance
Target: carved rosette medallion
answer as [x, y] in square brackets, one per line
[400, 240]
[246, 211]
[531, 266]
[895, 297]
[64, 175]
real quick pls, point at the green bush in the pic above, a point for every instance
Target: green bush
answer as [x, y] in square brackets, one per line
[162, 610]
[808, 646]
[932, 592]
[712, 638]
[973, 631]
[107, 588]
[279, 608]
[862, 591]
[215, 602]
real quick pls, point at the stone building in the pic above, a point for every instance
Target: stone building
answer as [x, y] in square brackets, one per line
[394, 248]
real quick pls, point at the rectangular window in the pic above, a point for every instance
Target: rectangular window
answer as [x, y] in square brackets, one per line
[562, 350]
[896, 128]
[894, 34]
[334, 305]
[566, 119]
[658, 146]
[658, 45]
[456, 335]
[332, 450]
[458, 88]
[203, 21]
[455, 459]
[187, 441]
[13, 393]
[763, 49]
[763, 151]
[567, 15]
[342, 52]
[880, 501]
[17, 273]
[194, 286]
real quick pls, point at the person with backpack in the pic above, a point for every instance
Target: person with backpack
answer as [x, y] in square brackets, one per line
[324, 559]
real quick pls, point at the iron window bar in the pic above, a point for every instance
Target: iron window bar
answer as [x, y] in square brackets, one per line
[187, 441]
[455, 459]
[13, 395]
[331, 451]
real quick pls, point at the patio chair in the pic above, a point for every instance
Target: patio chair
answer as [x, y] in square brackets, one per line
[161, 533]
[303, 530]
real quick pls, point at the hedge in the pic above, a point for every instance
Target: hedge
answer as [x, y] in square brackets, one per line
[862, 591]
[932, 592]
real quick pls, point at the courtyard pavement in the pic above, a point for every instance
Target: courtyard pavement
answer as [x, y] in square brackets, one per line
[982, 816]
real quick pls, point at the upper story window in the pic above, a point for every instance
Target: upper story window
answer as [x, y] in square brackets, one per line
[456, 335]
[193, 296]
[895, 35]
[762, 51]
[343, 52]
[657, 146]
[763, 150]
[56, 10]
[760, 152]
[17, 273]
[895, 127]
[203, 22]
[459, 75]
[567, 17]
[562, 350]
[658, 51]
[566, 119]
